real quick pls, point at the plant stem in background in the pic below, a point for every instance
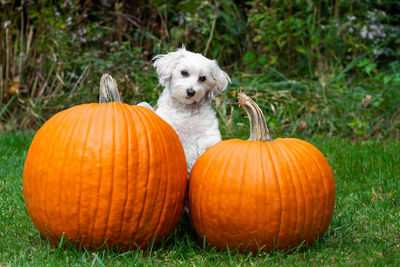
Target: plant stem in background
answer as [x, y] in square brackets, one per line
[212, 29]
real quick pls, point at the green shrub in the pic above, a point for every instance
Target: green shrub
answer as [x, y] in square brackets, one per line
[326, 67]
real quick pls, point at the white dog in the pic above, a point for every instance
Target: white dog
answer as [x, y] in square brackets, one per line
[190, 81]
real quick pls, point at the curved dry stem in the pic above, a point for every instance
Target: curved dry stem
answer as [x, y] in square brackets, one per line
[108, 90]
[258, 127]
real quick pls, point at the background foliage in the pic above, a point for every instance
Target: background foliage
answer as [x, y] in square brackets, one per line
[328, 67]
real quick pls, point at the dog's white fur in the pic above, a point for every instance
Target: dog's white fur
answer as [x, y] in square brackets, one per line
[183, 73]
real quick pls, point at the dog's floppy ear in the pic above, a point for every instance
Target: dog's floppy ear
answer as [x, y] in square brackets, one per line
[166, 63]
[221, 80]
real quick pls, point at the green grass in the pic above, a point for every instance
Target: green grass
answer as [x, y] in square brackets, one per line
[365, 229]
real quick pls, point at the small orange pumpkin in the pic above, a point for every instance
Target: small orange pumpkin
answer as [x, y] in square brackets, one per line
[105, 175]
[261, 194]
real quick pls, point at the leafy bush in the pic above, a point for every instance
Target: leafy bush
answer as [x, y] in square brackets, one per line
[315, 66]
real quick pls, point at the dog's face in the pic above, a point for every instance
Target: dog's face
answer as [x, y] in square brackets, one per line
[190, 77]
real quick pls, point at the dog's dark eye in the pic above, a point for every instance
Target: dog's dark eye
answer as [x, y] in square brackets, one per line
[185, 73]
[202, 78]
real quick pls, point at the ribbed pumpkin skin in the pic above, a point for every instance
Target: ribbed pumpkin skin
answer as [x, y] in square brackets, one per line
[253, 195]
[105, 172]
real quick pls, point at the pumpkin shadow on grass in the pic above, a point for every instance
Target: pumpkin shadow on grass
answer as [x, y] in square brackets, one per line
[184, 235]
[64, 243]
[186, 230]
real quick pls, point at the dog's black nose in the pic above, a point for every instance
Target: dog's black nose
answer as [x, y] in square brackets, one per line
[190, 92]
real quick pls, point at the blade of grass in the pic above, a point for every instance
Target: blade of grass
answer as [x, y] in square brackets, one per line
[79, 81]
[21, 47]
[277, 73]
[7, 58]
[6, 106]
[2, 85]
[349, 67]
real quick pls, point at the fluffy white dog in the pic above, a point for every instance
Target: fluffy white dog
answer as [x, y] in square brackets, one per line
[190, 81]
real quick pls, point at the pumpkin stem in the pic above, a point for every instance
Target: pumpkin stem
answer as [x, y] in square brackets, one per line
[258, 127]
[108, 90]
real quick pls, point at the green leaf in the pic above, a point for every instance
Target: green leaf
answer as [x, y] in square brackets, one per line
[354, 123]
[387, 79]
[262, 60]
[248, 57]
[363, 62]
[370, 67]
[300, 49]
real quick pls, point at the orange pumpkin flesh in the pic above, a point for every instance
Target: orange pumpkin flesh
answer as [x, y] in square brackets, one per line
[106, 175]
[260, 195]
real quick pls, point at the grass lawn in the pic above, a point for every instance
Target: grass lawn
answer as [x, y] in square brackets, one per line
[365, 229]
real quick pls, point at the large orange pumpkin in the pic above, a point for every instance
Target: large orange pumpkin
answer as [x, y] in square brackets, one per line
[261, 194]
[105, 175]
